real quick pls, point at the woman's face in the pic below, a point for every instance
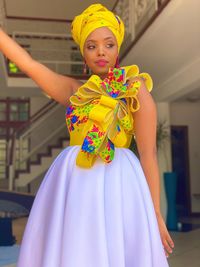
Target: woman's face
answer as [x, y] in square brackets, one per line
[100, 51]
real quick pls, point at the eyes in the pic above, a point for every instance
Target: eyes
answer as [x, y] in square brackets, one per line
[93, 46]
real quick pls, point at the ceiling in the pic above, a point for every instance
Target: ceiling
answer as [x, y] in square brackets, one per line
[54, 9]
[170, 51]
[193, 96]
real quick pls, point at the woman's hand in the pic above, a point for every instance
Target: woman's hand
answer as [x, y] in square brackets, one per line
[167, 241]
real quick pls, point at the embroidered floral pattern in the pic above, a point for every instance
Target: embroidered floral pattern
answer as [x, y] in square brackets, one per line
[108, 153]
[104, 109]
[93, 139]
[75, 115]
[114, 83]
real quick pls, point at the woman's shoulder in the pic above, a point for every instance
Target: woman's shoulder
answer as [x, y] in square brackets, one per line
[132, 72]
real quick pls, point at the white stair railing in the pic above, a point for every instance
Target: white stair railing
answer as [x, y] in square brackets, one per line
[135, 14]
[34, 139]
[57, 51]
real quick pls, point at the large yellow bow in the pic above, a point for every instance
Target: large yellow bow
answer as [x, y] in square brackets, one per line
[110, 122]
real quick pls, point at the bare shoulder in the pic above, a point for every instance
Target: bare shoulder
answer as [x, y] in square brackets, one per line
[58, 86]
[146, 116]
[145, 121]
[146, 100]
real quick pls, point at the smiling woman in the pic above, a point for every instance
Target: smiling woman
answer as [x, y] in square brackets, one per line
[98, 205]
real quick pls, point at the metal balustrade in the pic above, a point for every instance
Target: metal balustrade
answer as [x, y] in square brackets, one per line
[34, 137]
[136, 15]
[60, 53]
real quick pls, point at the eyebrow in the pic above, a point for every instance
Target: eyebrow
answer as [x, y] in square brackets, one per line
[107, 38]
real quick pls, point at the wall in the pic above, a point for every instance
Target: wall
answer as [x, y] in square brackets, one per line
[164, 154]
[48, 126]
[36, 103]
[188, 113]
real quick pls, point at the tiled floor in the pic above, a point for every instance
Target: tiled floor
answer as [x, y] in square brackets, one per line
[185, 254]
[187, 249]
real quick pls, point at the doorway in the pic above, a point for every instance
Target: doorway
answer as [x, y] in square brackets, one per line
[180, 165]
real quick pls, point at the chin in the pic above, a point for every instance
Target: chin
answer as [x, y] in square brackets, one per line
[102, 72]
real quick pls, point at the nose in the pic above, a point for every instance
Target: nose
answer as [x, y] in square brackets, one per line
[101, 51]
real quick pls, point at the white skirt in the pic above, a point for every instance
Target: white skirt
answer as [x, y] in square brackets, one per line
[97, 217]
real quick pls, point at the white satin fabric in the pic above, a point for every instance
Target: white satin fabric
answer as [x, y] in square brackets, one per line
[98, 217]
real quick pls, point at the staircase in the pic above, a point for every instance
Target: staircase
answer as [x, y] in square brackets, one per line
[39, 166]
[34, 146]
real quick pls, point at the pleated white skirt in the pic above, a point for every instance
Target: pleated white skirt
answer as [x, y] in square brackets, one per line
[98, 217]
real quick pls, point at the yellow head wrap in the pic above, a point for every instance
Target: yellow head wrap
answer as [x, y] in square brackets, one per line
[96, 16]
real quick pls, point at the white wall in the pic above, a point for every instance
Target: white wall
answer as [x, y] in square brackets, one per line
[164, 154]
[60, 9]
[187, 113]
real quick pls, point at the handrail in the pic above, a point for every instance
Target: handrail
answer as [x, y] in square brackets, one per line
[63, 61]
[35, 117]
[43, 143]
[63, 36]
[25, 132]
[37, 122]
[161, 4]
[13, 138]
[38, 113]
[39, 19]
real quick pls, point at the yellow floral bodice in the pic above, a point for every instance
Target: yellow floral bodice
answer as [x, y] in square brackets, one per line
[99, 117]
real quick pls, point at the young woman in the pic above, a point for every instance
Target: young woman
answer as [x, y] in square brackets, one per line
[98, 205]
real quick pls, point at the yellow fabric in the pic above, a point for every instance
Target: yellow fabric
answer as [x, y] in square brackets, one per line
[102, 115]
[96, 16]
[109, 113]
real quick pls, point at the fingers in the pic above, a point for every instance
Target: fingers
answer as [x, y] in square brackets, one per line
[168, 245]
[166, 254]
[167, 241]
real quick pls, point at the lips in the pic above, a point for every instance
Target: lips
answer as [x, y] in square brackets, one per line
[101, 62]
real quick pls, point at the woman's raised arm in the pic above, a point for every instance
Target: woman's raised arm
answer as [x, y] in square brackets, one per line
[59, 87]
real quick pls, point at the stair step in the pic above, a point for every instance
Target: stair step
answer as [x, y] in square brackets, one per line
[39, 167]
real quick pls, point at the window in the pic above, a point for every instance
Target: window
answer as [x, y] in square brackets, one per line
[19, 111]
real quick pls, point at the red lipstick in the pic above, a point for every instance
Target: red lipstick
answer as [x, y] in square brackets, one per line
[101, 62]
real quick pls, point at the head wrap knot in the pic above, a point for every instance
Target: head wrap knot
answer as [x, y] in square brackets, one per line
[96, 16]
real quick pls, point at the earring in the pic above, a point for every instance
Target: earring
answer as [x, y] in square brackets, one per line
[84, 68]
[117, 63]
